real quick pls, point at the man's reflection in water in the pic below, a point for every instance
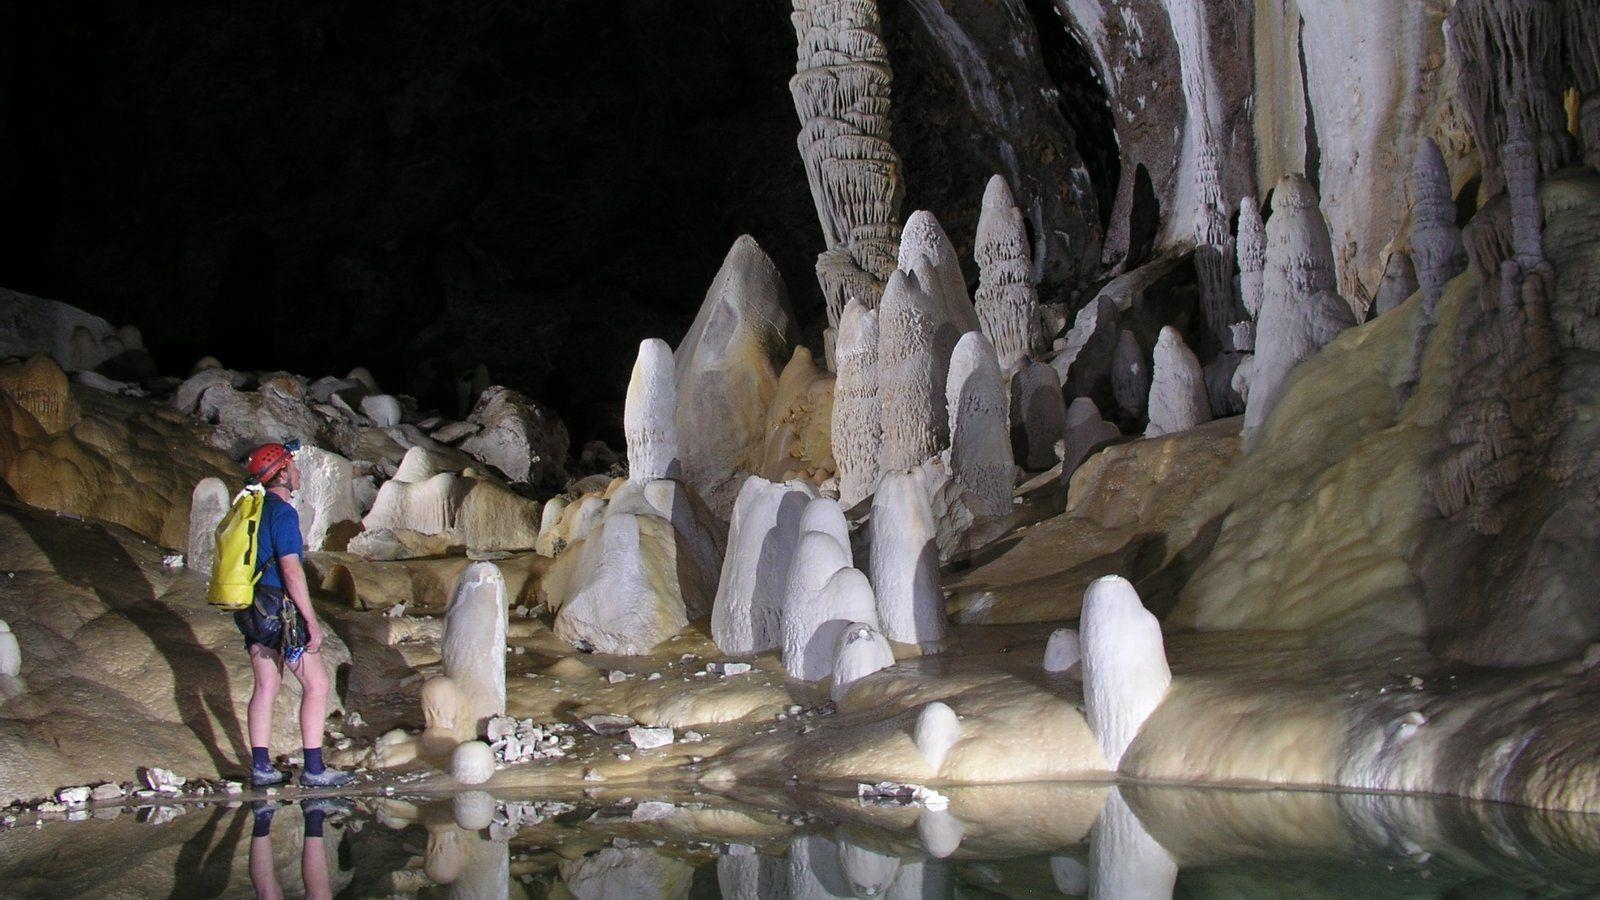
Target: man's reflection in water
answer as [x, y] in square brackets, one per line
[313, 850]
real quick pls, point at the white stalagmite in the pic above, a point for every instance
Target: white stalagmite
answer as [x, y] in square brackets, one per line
[1038, 415]
[326, 503]
[207, 505]
[905, 561]
[936, 732]
[1252, 252]
[472, 762]
[761, 544]
[648, 421]
[10, 651]
[1300, 312]
[861, 650]
[980, 432]
[621, 600]
[1006, 301]
[923, 238]
[857, 426]
[1177, 389]
[1062, 652]
[1124, 860]
[474, 644]
[1125, 674]
[819, 607]
[914, 426]
[549, 518]
[426, 507]
[826, 515]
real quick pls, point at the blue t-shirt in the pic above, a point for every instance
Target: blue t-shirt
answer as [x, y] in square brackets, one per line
[279, 537]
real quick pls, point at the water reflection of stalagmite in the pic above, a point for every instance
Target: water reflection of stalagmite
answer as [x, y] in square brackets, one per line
[627, 872]
[1124, 860]
[742, 874]
[867, 872]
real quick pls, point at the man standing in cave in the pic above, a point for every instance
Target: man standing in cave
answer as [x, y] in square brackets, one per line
[281, 629]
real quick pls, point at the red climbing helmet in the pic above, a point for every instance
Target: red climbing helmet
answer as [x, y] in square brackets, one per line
[267, 460]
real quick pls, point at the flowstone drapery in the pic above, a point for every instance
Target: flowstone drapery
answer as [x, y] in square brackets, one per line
[841, 94]
[1509, 58]
[1007, 302]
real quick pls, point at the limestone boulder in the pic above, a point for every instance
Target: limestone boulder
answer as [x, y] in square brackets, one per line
[526, 442]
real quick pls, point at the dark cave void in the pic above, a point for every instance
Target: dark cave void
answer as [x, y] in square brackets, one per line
[1082, 101]
[311, 186]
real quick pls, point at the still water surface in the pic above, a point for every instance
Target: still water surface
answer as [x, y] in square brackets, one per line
[1046, 840]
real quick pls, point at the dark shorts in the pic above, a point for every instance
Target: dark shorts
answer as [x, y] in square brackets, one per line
[263, 622]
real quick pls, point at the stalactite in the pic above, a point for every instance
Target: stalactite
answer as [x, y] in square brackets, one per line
[1509, 56]
[841, 91]
[1007, 302]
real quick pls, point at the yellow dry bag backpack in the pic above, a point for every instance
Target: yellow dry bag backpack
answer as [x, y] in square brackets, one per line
[234, 573]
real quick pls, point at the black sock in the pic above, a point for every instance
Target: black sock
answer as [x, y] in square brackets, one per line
[314, 823]
[264, 822]
[314, 760]
[260, 759]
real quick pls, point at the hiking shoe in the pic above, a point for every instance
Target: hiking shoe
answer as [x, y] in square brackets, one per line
[328, 806]
[326, 778]
[266, 777]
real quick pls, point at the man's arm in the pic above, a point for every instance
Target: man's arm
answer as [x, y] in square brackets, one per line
[294, 584]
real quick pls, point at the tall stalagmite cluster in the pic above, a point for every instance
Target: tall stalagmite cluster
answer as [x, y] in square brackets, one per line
[841, 94]
[1007, 302]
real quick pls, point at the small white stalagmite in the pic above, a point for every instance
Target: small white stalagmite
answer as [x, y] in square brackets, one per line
[980, 439]
[761, 544]
[10, 651]
[1062, 652]
[207, 505]
[474, 644]
[1178, 399]
[1125, 674]
[861, 651]
[648, 421]
[937, 731]
[905, 561]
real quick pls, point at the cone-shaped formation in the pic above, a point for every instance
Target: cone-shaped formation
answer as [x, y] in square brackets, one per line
[1085, 431]
[1509, 54]
[905, 561]
[824, 596]
[10, 652]
[1522, 184]
[1038, 415]
[727, 370]
[861, 650]
[1124, 860]
[1178, 399]
[1130, 374]
[1252, 254]
[1399, 281]
[474, 645]
[1300, 313]
[980, 436]
[648, 421]
[923, 242]
[1125, 674]
[1436, 248]
[1214, 246]
[1062, 652]
[761, 543]
[857, 408]
[909, 370]
[1007, 301]
[623, 603]
[936, 732]
[841, 94]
